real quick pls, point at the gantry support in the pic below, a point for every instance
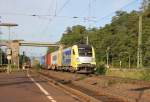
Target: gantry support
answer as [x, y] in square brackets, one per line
[15, 45]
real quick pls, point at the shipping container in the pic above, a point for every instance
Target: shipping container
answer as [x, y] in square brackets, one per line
[42, 61]
[54, 57]
[54, 60]
[66, 57]
[48, 60]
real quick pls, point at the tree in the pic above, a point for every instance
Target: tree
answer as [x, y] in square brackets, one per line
[120, 35]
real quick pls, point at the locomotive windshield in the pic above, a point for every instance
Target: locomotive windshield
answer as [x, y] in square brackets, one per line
[85, 50]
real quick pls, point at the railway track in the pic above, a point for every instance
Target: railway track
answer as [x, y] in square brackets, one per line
[81, 92]
[69, 90]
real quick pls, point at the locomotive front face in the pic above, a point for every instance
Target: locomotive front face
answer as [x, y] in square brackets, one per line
[86, 58]
[86, 54]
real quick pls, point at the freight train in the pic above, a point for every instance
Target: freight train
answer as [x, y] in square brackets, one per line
[77, 58]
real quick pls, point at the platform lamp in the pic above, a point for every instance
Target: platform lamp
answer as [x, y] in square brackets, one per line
[0, 49]
[8, 25]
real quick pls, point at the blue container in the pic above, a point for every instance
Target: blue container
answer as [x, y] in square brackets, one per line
[66, 57]
[42, 60]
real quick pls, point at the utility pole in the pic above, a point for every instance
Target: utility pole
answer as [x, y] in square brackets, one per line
[87, 40]
[107, 54]
[0, 55]
[139, 52]
[1, 62]
[129, 61]
[9, 50]
[0, 47]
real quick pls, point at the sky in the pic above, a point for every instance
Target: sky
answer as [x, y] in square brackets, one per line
[46, 20]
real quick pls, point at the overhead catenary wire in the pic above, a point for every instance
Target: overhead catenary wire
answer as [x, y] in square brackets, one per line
[110, 14]
[87, 8]
[0, 28]
[56, 7]
[55, 15]
[61, 8]
[52, 16]
[42, 15]
[89, 11]
[90, 17]
[58, 11]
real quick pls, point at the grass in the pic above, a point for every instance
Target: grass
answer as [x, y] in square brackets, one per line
[146, 75]
[136, 74]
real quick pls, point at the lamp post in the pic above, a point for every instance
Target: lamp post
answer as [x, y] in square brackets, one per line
[107, 55]
[0, 50]
[9, 57]
[1, 62]
[129, 61]
[139, 50]
[144, 7]
[9, 25]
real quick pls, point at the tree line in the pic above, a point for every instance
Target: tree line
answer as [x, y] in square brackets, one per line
[119, 39]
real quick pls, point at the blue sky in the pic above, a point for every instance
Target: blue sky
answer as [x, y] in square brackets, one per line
[50, 28]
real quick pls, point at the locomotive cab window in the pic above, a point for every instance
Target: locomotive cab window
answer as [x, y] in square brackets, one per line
[85, 51]
[73, 52]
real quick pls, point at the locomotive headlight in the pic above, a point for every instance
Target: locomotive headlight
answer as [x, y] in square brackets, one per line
[77, 59]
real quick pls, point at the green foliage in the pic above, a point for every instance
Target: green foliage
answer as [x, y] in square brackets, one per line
[23, 59]
[73, 35]
[38, 66]
[101, 69]
[13, 66]
[52, 49]
[145, 75]
[120, 36]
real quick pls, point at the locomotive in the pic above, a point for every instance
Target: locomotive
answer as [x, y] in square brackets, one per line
[77, 58]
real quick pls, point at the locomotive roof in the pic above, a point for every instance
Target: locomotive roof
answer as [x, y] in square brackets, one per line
[84, 45]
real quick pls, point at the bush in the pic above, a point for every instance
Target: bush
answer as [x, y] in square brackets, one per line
[38, 67]
[146, 75]
[13, 66]
[101, 69]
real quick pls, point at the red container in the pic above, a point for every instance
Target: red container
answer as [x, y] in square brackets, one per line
[48, 60]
